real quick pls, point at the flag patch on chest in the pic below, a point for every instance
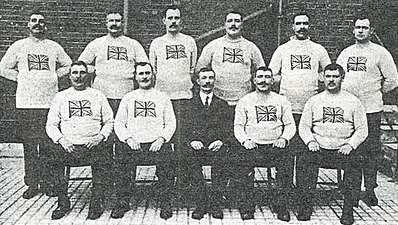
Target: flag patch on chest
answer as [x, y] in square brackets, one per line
[38, 62]
[233, 55]
[175, 51]
[144, 109]
[117, 53]
[333, 115]
[266, 113]
[80, 108]
[301, 62]
[356, 63]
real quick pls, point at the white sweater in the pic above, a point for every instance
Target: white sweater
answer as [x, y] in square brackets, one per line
[145, 115]
[79, 115]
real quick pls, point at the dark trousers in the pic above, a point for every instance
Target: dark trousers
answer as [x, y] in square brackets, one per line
[244, 162]
[99, 160]
[194, 160]
[372, 151]
[127, 161]
[307, 174]
[36, 144]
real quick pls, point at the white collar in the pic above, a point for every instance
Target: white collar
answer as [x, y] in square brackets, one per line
[203, 97]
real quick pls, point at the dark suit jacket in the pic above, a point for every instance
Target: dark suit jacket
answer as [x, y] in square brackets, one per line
[207, 124]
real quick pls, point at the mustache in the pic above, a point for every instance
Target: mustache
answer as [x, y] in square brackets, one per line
[263, 83]
[173, 26]
[114, 27]
[38, 26]
[233, 27]
[302, 30]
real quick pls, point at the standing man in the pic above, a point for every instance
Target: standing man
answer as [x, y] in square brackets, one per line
[35, 63]
[79, 122]
[144, 123]
[173, 57]
[333, 125]
[233, 58]
[113, 57]
[263, 126]
[207, 132]
[297, 65]
[370, 72]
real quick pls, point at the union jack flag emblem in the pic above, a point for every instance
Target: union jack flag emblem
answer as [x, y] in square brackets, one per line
[301, 62]
[266, 113]
[80, 108]
[118, 53]
[356, 63]
[145, 109]
[175, 51]
[233, 55]
[38, 62]
[333, 115]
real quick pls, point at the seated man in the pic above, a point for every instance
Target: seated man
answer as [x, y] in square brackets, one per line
[79, 122]
[263, 125]
[206, 132]
[333, 125]
[144, 123]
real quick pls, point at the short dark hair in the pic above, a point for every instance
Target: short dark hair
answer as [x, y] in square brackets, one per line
[335, 66]
[300, 14]
[204, 69]
[362, 17]
[137, 64]
[36, 12]
[80, 63]
[114, 10]
[171, 7]
[265, 69]
[234, 11]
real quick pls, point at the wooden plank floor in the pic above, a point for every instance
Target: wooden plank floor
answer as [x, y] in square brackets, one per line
[145, 208]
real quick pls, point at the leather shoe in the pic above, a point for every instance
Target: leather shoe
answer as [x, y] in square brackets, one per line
[283, 215]
[198, 213]
[304, 214]
[166, 213]
[245, 215]
[119, 211]
[31, 192]
[217, 214]
[347, 219]
[95, 209]
[370, 198]
[62, 209]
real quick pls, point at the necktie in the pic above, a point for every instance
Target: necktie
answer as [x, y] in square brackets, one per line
[207, 101]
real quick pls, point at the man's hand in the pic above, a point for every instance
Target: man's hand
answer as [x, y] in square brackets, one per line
[280, 143]
[196, 145]
[93, 142]
[345, 149]
[215, 146]
[313, 146]
[133, 144]
[157, 145]
[66, 145]
[249, 144]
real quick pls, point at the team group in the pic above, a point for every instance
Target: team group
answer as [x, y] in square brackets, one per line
[324, 112]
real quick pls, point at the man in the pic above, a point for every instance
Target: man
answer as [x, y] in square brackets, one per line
[114, 56]
[370, 72]
[297, 65]
[35, 63]
[233, 58]
[332, 126]
[263, 126]
[173, 57]
[145, 123]
[79, 122]
[207, 132]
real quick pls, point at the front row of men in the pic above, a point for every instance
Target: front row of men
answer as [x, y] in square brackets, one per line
[333, 126]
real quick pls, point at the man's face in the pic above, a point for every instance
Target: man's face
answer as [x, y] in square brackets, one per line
[362, 30]
[300, 27]
[172, 20]
[263, 81]
[37, 25]
[79, 77]
[144, 77]
[206, 81]
[114, 23]
[333, 80]
[233, 24]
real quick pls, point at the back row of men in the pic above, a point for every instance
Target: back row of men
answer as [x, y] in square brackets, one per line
[36, 63]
